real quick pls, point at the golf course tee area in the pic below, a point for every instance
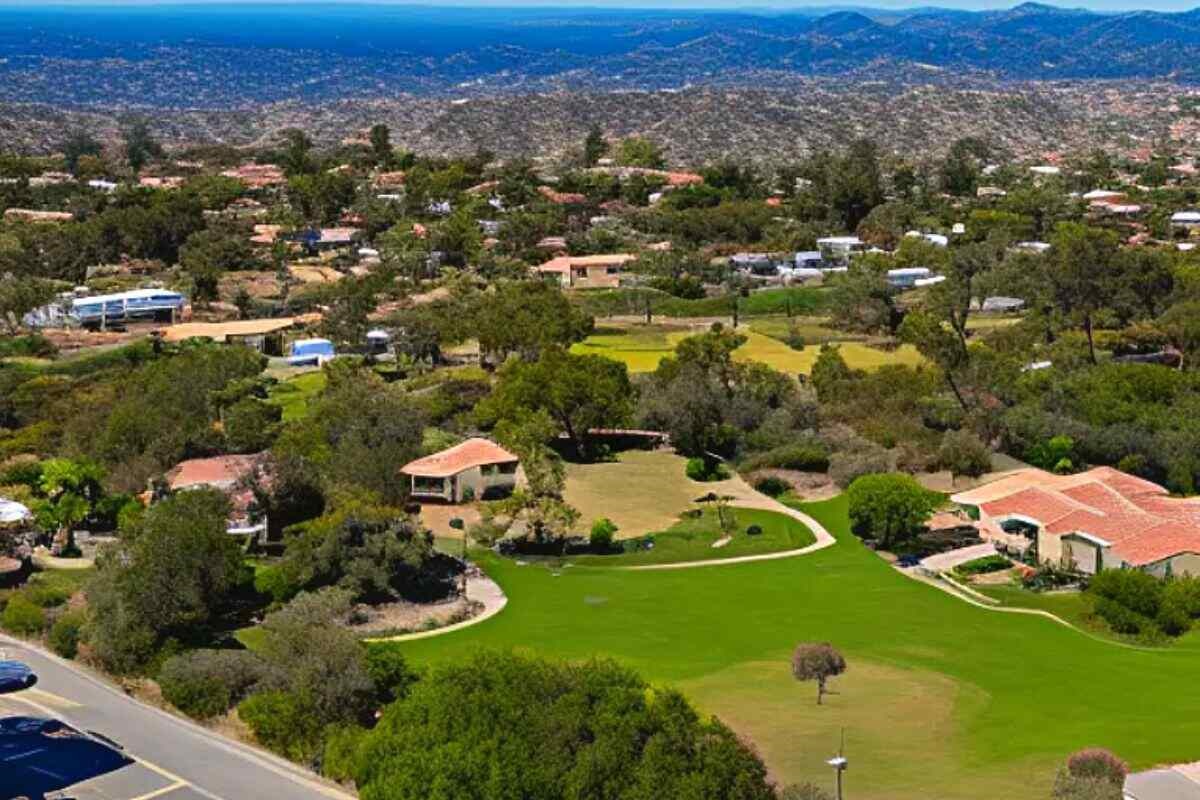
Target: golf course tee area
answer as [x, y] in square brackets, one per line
[941, 699]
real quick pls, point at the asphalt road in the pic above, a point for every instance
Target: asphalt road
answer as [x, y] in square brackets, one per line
[175, 759]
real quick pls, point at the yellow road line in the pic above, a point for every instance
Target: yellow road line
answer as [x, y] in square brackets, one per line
[51, 699]
[160, 792]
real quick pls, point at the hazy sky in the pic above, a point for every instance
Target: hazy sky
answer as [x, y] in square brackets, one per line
[766, 5]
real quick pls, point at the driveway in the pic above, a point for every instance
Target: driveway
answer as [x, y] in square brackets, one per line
[1174, 783]
[944, 562]
[175, 759]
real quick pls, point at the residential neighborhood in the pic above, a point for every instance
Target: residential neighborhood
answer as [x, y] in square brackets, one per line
[624, 463]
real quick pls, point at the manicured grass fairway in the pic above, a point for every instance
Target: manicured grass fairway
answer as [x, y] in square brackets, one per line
[692, 540]
[942, 699]
[642, 348]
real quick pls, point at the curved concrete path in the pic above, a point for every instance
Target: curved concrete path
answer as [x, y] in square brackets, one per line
[763, 503]
[481, 589]
[955, 591]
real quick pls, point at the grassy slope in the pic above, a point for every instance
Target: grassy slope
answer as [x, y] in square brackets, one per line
[942, 699]
[692, 540]
[294, 394]
[640, 490]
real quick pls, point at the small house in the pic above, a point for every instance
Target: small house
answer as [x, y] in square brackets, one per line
[586, 272]
[474, 469]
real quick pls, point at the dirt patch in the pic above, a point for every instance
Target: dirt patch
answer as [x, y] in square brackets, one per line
[405, 617]
[437, 518]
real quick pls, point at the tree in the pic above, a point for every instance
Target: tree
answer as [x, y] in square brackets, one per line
[960, 170]
[209, 253]
[889, 508]
[79, 143]
[594, 146]
[381, 145]
[964, 453]
[295, 158]
[541, 729]
[360, 431]
[637, 151]
[817, 661]
[19, 296]
[375, 552]
[524, 317]
[170, 580]
[1083, 272]
[70, 490]
[855, 185]
[580, 392]
[318, 677]
[140, 145]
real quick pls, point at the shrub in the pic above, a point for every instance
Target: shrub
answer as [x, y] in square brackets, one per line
[800, 457]
[772, 486]
[846, 467]
[1120, 618]
[339, 759]
[980, 566]
[486, 532]
[1135, 590]
[22, 616]
[1098, 763]
[699, 469]
[45, 595]
[604, 532]
[275, 583]
[964, 453]
[284, 722]
[207, 683]
[754, 530]
[390, 672]
[66, 632]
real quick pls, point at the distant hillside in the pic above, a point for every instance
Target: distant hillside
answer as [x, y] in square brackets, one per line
[917, 120]
[248, 55]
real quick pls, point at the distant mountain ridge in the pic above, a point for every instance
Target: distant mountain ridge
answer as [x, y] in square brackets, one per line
[243, 56]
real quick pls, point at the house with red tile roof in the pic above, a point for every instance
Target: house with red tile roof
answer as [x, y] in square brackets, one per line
[232, 475]
[470, 470]
[586, 272]
[1099, 519]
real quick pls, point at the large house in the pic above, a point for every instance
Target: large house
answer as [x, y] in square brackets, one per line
[471, 470]
[586, 272]
[1099, 519]
[233, 476]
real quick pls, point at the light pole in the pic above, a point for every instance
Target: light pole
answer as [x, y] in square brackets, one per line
[839, 764]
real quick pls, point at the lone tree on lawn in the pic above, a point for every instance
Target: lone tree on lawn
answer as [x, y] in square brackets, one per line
[817, 661]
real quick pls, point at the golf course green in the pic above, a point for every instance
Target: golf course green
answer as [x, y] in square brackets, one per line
[941, 699]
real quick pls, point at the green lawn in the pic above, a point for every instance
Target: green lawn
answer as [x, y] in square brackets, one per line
[691, 539]
[941, 699]
[294, 394]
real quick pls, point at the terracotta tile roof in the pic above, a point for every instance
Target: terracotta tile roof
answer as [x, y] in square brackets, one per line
[221, 472]
[1137, 517]
[1043, 506]
[562, 198]
[1154, 544]
[474, 452]
[564, 263]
